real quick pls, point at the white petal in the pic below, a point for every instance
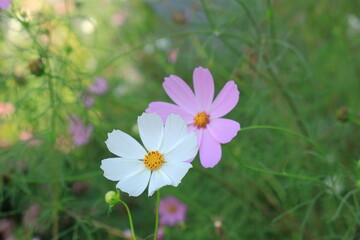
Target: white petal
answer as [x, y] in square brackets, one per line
[185, 150]
[135, 184]
[175, 130]
[151, 128]
[158, 180]
[117, 168]
[123, 145]
[176, 171]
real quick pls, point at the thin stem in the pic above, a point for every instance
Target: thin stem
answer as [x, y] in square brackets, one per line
[251, 18]
[355, 121]
[305, 138]
[157, 213]
[130, 219]
[284, 174]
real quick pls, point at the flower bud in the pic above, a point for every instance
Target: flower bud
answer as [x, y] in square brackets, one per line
[20, 80]
[112, 198]
[109, 196]
[37, 67]
[342, 114]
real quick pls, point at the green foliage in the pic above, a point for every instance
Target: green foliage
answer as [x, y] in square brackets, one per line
[291, 173]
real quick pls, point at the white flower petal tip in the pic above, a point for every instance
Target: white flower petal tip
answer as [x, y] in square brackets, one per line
[123, 145]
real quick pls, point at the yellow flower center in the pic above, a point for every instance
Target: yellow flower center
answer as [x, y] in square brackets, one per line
[201, 120]
[153, 160]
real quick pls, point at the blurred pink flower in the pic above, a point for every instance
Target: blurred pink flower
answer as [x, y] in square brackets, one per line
[99, 86]
[171, 211]
[6, 227]
[161, 232]
[201, 113]
[80, 133]
[88, 100]
[28, 137]
[119, 18]
[173, 54]
[6, 109]
[63, 7]
[25, 135]
[4, 4]
[31, 217]
[4, 143]
[127, 234]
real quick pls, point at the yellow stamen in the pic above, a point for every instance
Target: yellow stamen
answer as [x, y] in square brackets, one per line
[201, 120]
[153, 160]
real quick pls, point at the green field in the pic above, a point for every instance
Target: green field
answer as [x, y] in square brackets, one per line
[292, 171]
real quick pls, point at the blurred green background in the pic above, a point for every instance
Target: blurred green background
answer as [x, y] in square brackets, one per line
[296, 64]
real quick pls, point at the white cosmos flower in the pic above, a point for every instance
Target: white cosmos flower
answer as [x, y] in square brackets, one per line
[163, 160]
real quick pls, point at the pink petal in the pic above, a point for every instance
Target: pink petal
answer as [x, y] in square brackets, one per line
[204, 88]
[210, 150]
[180, 93]
[164, 109]
[4, 4]
[223, 130]
[225, 101]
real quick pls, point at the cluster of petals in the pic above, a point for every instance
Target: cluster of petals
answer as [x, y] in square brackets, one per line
[172, 141]
[201, 103]
[80, 132]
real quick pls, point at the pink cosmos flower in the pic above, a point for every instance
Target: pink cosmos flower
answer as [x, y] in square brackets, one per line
[99, 86]
[4, 4]
[6, 109]
[171, 211]
[201, 113]
[80, 133]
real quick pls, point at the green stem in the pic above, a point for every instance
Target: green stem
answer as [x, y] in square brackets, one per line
[355, 121]
[283, 174]
[157, 213]
[305, 138]
[130, 219]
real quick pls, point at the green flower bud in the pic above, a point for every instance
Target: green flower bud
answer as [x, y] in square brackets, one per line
[112, 198]
[342, 114]
[109, 196]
